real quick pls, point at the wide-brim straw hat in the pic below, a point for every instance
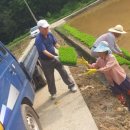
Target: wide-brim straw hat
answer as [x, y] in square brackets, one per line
[103, 47]
[117, 29]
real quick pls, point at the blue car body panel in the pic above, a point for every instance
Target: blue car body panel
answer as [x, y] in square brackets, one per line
[14, 87]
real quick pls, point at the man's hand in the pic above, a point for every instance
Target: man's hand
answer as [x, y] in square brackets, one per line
[121, 54]
[56, 51]
[57, 58]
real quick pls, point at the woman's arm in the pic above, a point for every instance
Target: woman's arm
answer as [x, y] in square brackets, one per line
[110, 64]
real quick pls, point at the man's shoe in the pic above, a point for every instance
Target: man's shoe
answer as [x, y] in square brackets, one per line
[53, 96]
[73, 89]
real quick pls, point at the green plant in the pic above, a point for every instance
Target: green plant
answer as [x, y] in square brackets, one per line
[83, 37]
[126, 53]
[122, 60]
[68, 55]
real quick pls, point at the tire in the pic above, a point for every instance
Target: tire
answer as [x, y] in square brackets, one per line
[40, 71]
[30, 118]
[39, 78]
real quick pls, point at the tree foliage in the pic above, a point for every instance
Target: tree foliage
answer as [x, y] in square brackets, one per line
[15, 19]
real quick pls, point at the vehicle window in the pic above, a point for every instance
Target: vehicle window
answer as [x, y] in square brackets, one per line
[34, 28]
[2, 52]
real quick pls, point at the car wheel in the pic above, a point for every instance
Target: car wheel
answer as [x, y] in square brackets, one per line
[39, 78]
[30, 118]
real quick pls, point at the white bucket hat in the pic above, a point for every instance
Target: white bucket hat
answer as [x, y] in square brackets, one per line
[102, 47]
[117, 29]
[42, 23]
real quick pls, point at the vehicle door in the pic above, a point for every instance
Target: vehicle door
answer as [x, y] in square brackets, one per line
[10, 85]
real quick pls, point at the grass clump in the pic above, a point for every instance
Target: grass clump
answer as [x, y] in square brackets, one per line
[67, 55]
[16, 42]
[126, 53]
[122, 60]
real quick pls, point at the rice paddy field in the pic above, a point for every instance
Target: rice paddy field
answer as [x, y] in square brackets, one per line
[103, 16]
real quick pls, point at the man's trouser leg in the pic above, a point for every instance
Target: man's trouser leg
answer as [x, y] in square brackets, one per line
[66, 78]
[48, 69]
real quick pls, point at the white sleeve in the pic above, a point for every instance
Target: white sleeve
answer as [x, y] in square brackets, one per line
[113, 46]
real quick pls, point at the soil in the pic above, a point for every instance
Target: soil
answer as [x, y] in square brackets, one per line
[105, 15]
[106, 110]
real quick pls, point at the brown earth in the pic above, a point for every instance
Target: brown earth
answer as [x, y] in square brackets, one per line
[106, 110]
[100, 18]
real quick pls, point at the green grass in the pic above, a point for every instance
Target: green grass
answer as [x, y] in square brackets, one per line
[83, 37]
[122, 60]
[11, 46]
[67, 55]
[126, 53]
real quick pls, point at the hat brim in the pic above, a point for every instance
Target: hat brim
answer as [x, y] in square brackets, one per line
[45, 26]
[116, 31]
[100, 48]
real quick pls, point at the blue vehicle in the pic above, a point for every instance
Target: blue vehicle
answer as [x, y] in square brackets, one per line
[17, 90]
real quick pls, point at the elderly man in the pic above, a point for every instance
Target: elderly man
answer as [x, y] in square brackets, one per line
[45, 43]
[110, 38]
